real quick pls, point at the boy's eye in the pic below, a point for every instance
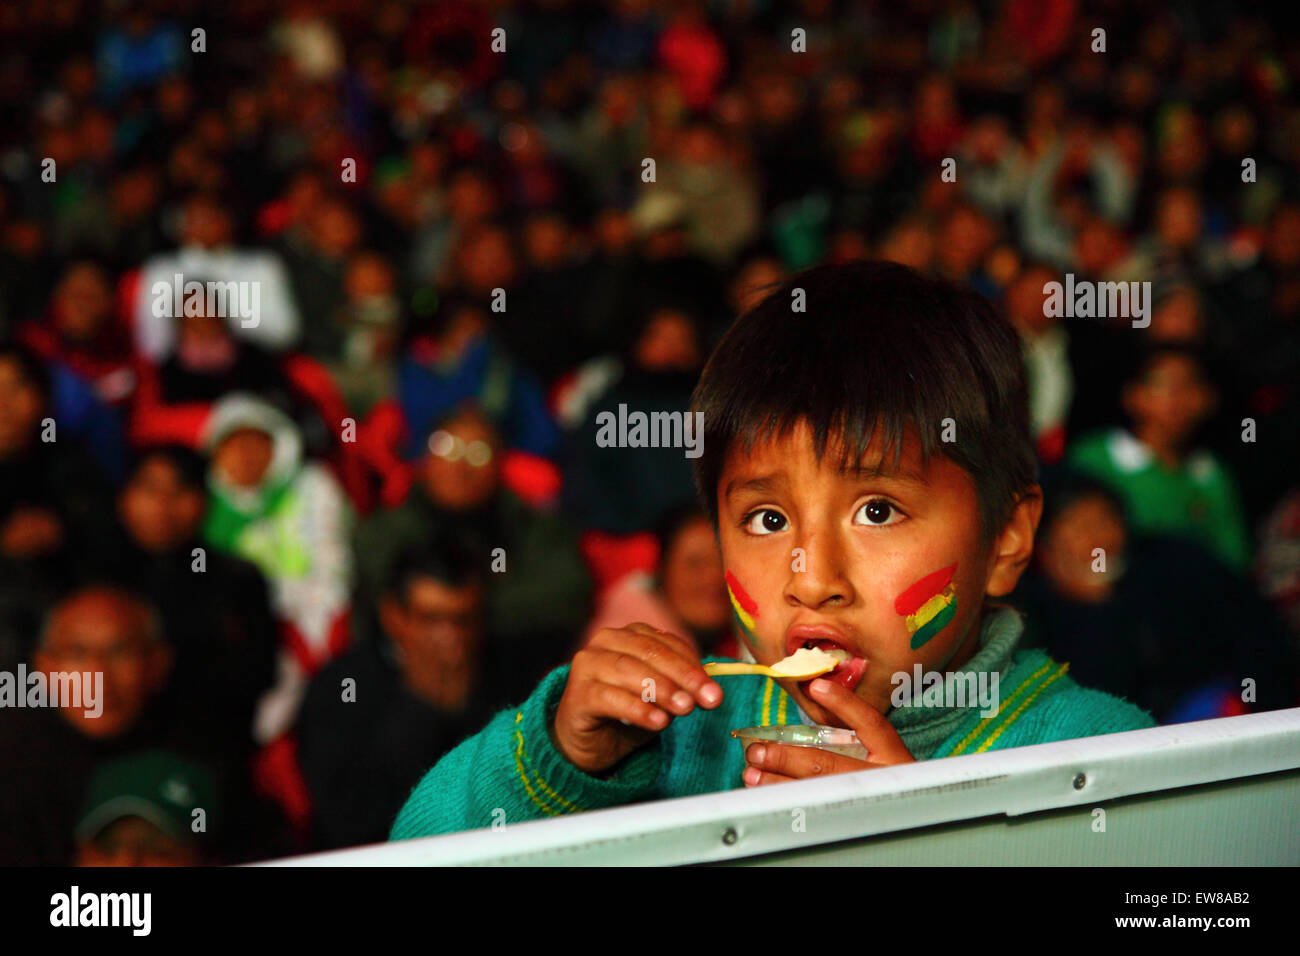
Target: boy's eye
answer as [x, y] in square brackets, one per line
[764, 521]
[877, 512]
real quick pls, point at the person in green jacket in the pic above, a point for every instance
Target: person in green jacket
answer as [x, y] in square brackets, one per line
[868, 466]
[1168, 485]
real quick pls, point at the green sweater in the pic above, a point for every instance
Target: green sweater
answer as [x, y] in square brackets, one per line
[512, 766]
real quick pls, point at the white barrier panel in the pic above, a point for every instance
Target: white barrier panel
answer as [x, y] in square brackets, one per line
[1214, 791]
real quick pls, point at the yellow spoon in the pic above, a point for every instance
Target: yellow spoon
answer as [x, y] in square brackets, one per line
[802, 664]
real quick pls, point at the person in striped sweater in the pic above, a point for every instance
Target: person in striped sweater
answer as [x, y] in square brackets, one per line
[868, 466]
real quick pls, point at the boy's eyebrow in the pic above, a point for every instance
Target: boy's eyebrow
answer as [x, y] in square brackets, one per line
[763, 483]
[907, 475]
[769, 482]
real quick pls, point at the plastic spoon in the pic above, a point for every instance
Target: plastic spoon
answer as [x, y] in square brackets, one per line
[801, 665]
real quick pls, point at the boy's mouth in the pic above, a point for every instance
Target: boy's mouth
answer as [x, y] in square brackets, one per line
[848, 674]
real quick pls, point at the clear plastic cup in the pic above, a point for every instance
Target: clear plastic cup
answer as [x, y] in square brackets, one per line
[837, 740]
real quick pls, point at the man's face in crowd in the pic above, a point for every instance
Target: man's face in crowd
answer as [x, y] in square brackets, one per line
[462, 467]
[159, 509]
[20, 408]
[133, 841]
[82, 302]
[102, 631]
[206, 224]
[668, 343]
[435, 622]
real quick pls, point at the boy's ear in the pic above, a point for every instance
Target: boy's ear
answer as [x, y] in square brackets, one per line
[1015, 544]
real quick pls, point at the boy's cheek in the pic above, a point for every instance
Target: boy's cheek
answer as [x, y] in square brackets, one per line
[925, 620]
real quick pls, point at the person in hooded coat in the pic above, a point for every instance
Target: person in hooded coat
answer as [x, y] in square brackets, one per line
[291, 519]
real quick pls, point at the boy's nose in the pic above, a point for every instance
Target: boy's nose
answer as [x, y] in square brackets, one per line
[817, 575]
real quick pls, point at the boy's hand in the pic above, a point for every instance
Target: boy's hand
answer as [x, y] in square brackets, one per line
[777, 763]
[604, 716]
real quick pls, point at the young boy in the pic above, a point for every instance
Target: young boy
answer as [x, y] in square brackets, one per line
[868, 466]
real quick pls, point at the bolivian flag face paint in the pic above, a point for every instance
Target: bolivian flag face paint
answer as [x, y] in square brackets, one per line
[744, 606]
[928, 605]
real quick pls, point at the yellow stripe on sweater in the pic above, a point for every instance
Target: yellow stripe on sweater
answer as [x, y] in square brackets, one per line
[1016, 713]
[767, 702]
[521, 758]
[980, 727]
[523, 778]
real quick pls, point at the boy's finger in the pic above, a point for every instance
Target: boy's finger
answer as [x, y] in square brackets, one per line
[607, 700]
[638, 677]
[875, 732]
[687, 672]
[687, 649]
[799, 762]
[753, 777]
[607, 636]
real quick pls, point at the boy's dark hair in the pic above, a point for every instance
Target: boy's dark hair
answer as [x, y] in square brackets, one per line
[878, 344]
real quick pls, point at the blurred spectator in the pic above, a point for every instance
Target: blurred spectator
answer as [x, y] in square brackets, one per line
[717, 197]
[686, 596]
[54, 507]
[1080, 173]
[209, 361]
[381, 715]
[149, 809]
[369, 320]
[82, 332]
[1278, 564]
[1156, 619]
[538, 600]
[630, 489]
[464, 362]
[291, 519]
[214, 607]
[47, 754]
[1168, 485]
[316, 254]
[207, 253]
[1046, 347]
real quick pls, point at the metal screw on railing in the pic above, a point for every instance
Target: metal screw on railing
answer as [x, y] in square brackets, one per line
[1080, 781]
[729, 836]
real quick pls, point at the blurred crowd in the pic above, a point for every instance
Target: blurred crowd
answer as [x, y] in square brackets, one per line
[312, 552]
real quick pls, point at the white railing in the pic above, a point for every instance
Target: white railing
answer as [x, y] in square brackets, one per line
[804, 818]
